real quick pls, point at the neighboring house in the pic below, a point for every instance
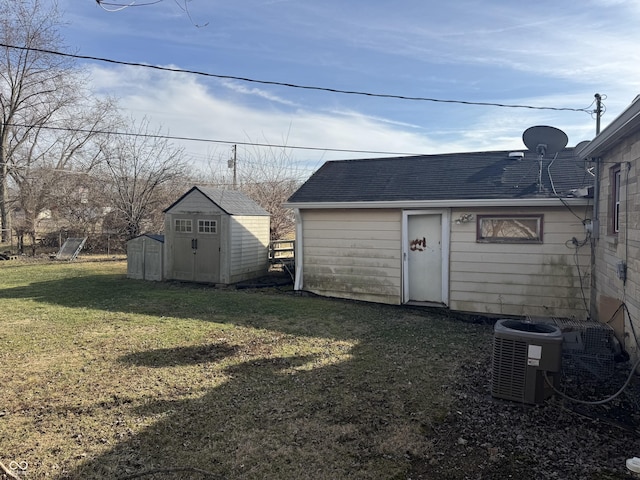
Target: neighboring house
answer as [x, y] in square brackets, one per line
[615, 157]
[497, 233]
[216, 236]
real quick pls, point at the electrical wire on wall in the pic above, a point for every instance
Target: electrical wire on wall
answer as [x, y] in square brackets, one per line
[573, 243]
[625, 310]
[553, 187]
[577, 245]
[623, 304]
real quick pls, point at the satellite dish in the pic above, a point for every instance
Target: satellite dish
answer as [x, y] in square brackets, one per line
[582, 144]
[545, 140]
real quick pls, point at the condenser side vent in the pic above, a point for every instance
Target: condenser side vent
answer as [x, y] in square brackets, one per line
[509, 369]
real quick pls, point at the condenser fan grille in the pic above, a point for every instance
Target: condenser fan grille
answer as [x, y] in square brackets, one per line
[509, 368]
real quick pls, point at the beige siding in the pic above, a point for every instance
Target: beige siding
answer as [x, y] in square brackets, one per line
[249, 247]
[521, 279]
[610, 290]
[353, 254]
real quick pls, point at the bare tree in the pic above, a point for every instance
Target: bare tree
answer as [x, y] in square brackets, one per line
[142, 169]
[80, 203]
[267, 175]
[110, 6]
[67, 144]
[34, 86]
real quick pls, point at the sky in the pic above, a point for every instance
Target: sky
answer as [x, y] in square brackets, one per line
[548, 53]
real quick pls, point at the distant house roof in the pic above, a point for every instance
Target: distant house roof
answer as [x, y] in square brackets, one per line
[455, 176]
[231, 202]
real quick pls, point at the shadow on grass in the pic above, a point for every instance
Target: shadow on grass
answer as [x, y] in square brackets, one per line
[278, 420]
[115, 293]
[284, 415]
[172, 357]
[87, 291]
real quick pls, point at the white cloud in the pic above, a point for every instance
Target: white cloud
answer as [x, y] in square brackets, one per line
[237, 87]
[185, 107]
[513, 53]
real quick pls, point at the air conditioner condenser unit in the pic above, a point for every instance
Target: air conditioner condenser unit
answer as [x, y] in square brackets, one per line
[523, 354]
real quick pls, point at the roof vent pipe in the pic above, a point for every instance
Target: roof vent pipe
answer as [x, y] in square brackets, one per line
[516, 155]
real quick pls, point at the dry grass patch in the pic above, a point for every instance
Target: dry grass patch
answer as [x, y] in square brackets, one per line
[105, 377]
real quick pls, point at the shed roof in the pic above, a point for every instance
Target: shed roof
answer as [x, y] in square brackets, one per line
[454, 176]
[231, 202]
[153, 236]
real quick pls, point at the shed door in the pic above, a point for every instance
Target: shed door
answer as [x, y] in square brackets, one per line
[423, 258]
[135, 258]
[196, 249]
[207, 251]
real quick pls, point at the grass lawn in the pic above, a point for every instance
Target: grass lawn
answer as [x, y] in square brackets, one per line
[106, 377]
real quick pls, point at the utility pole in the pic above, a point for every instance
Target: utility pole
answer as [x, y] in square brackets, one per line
[598, 111]
[233, 164]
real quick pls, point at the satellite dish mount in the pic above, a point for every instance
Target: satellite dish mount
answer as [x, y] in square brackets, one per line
[544, 140]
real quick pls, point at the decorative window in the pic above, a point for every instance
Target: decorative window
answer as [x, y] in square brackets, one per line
[207, 226]
[509, 228]
[183, 225]
[614, 224]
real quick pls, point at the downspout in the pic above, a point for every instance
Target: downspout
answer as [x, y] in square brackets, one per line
[298, 282]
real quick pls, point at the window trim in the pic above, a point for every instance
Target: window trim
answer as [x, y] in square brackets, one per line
[212, 223]
[187, 222]
[615, 199]
[500, 240]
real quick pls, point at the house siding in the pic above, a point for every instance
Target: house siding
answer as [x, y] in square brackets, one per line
[353, 254]
[532, 279]
[249, 247]
[357, 254]
[610, 249]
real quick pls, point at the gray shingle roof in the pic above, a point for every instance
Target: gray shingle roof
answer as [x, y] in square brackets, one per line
[232, 202]
[475, 175]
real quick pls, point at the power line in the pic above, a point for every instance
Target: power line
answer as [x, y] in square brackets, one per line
[293, 85]
[209, 140]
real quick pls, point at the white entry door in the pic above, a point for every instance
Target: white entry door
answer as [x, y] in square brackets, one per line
[424, 258]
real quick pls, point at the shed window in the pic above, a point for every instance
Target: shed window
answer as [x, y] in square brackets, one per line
[509, 229]
[183, 225]
[207, 226]
[615, 200]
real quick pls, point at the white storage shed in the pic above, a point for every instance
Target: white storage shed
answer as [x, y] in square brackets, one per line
[145, 257]
[216, 236]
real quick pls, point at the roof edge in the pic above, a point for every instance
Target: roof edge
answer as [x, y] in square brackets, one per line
[489, 202]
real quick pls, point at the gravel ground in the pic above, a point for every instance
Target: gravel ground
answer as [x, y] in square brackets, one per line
[487, 438]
